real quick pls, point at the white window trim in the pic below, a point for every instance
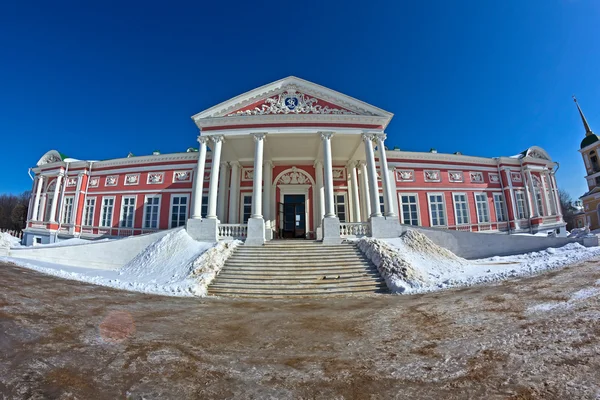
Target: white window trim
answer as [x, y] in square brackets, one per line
[122, 208]
[400, 211]
[158, 212]
[504, 210]
[187, 207]
[242, 195]
[475, 194]
[66, 215]
[346, 205]
[84, 218]
[429, 194]
[525, 211]
[455, 209]
[112, 217]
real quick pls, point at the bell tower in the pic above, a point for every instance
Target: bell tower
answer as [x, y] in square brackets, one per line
[590, 149]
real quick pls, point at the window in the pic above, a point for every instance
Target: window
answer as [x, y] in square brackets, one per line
[107, 211]
[67, 211]
[520, 200]
[483, 213]
[551, 202]
[381, 205]
[597, 180]
[151, 211]
[461, 208]
[204, 209]
[88, 212]
[409, 209]
[246, 207]
[127, 212]
[340, 206]
[499, 207]
[538, 200]
[179, 207]
[437, 210]
[594, 159]
[47, 216]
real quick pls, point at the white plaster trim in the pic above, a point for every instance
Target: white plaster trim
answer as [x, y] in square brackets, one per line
[438, 166]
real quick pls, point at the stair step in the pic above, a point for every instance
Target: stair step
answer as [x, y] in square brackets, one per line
[268, 276]
[313, 293]
[293, 263]
[270, 269]
[318, 280]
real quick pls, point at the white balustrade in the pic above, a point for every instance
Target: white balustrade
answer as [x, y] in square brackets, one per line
[355, 229]
[233, 231]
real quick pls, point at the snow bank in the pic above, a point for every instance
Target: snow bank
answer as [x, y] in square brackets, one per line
[73, 242]
[580, 233]
[174, 265]
[412, 263]
[7, 241]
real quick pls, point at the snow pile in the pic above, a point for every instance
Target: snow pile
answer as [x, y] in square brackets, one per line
[208, 266]
[174, 265]
[412, 263]
[580, 233]
[7, 241]
[73, 242]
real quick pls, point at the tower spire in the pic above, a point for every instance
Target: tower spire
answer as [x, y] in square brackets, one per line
[588, 131]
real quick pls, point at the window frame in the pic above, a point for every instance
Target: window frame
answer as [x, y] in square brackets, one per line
[67, 218]
[102, 214]
[524, 202]
[401, 210]
[487, 207]
[243, 195]
[187, 209]
[445, 209]
[345, 204]
[503, 210]
[85, 213]
[467, 208]
[123, 208]
[153, 196]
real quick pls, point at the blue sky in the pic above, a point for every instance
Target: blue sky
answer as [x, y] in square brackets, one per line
[97, 81]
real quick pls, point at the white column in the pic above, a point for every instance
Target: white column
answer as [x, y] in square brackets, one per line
[320, 195]
[545, 194]
[354, 188]
[214, 177]
[556, 196]
[393, 189]
[533, 207]
[76, 199]
[38, 196]
[267, 192]
[199, 180]
[328, 174]
[513, 199]
[259, 143]
[388, 198]
[364, 185]
[234, 193]
[222, 195]
[372, 173]
[55, 198]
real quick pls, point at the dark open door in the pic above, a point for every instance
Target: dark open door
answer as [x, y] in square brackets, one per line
[293, 216]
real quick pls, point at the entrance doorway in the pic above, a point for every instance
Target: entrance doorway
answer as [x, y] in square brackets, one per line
[293, 216]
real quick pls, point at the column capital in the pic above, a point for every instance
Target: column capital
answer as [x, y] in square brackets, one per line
[259, 136]
[380, 136]
[318, 163]
[202, 139]
[234, 164]
[217, 138]
[368, 136]
[269, 163]
[352, 164]
[60, 174]
[326, 135]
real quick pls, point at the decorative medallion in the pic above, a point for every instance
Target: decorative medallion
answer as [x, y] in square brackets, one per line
[405, 175]
[494, 178]
[247, 174]
[516, 177]
[111, 180]
[155, 178]
[476, 177]
[456, 176]
[94, 182]
[132, 179]
[339, 174]
[292, 101]
[432, 176]
[71, 182]
[182, 176]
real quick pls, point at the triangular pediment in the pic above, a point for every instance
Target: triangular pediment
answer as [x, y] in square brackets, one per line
[294, 97]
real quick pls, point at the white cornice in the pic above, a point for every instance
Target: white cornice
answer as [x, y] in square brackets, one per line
[315, 119]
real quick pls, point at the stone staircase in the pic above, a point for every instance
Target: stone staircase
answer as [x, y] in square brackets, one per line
[297, 268]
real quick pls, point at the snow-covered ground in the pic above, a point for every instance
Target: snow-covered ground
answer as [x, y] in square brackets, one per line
[174, 265]
[413, 263]
[7, 241]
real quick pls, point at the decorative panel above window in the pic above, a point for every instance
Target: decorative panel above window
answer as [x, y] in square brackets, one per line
[132, 179]
[247, 174]
[155, 178]
[432, 176]
[476, 177]
[94, 182]
[405, 175]
[494, 178]
[182, 176]
[339, 174]
[71, 182]
[516, 177]
[456, 176]
[111, 180]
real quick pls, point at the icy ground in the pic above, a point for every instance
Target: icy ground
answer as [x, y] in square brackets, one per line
[413, 264]
[173, 266]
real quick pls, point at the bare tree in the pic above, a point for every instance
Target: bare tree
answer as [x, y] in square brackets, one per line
[568, 210]
[13, 210]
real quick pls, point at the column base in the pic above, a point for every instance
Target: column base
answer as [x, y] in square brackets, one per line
[203, 230]
[384, 227]
[268, 231]
[331, 231]
[256, 232]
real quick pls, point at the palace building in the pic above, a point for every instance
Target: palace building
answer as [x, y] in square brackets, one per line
[293, 159]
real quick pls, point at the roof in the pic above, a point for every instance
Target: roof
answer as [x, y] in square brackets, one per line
[589, 140]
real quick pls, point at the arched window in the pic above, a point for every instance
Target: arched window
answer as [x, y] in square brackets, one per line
[594, 160]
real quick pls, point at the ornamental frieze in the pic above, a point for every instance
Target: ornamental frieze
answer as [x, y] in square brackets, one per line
[71, 182]
[338, 174]
[294, 177]
[247, 174]
[432, 176]
[456, 176]
[476, 177]
[494, 178]
[516, 177]
[404, 175]
[111, 180]
[94, 182]
[182, 176]
[155, 178]
[132, 179]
